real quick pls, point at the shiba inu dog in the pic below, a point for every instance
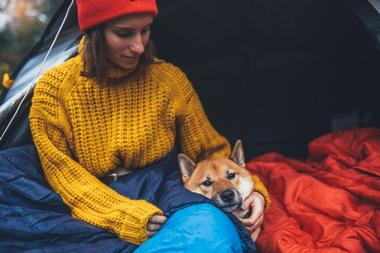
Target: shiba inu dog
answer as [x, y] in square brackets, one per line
[225, 181]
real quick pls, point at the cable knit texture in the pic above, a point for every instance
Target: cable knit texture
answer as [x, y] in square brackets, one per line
[260, 187]
[84, 130]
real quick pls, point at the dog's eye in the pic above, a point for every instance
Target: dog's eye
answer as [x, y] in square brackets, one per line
[207, 183]
[231, 176]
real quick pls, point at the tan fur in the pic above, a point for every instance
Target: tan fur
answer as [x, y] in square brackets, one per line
[216, 171]
[225, 181]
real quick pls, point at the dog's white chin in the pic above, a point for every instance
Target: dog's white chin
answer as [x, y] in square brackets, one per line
[246, 187]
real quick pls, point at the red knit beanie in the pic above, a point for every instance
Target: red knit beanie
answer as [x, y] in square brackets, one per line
[94, 12]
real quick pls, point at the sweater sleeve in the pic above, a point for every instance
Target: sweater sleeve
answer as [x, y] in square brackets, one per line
[89, 199]
[260, 188]
[198, 138]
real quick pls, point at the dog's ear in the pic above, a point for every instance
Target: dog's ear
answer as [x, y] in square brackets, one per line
[186, 165]
[237, 154]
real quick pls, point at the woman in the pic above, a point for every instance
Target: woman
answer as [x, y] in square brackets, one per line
[116, 106]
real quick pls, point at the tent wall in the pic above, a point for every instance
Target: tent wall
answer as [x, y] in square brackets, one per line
[18, 132]
[275, 73]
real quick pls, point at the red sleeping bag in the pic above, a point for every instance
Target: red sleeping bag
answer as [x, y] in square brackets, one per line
[328, 203]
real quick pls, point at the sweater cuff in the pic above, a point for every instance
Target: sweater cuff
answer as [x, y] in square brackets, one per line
[260, 188]
[134, 227]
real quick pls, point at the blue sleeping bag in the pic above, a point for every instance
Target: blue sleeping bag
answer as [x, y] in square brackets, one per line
[33, 218]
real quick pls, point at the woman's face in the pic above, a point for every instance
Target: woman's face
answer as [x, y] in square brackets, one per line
[126, 38]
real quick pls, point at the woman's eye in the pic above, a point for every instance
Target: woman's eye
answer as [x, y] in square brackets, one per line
[145, 30]
[207, 183]
[231, 176]
[125, 34]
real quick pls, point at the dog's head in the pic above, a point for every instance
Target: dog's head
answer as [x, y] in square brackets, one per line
[225, 181]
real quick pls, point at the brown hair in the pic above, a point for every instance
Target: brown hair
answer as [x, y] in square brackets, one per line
[95, 59]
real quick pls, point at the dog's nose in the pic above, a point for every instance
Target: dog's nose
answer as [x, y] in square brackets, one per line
[227, 195]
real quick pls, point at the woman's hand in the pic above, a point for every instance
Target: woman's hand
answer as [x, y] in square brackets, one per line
[154, 224]
[253, 223]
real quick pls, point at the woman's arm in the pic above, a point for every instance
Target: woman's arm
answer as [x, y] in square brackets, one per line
[89, 199]
[199, 140]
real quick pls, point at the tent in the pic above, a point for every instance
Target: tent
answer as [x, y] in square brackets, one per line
[276, 74]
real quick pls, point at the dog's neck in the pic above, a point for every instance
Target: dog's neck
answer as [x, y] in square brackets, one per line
[245, 188]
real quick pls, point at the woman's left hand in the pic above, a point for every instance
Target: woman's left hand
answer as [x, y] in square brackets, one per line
[253, 223]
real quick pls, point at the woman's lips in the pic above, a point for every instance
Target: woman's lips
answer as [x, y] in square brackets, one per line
[131, 57]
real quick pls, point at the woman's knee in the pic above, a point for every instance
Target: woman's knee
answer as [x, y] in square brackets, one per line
[198, 228]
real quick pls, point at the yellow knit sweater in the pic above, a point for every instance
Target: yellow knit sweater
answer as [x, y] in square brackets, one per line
[84, 130]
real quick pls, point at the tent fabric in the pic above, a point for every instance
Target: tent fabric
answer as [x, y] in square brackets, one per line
[65, 47]
[328, 203]
[274, 73]
[33, 218]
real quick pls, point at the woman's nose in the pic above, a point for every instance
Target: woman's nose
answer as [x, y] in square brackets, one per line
[137, 46]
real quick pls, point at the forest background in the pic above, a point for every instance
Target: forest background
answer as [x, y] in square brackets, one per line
[22, 22]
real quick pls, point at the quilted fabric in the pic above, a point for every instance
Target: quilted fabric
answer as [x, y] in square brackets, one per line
[328, 203]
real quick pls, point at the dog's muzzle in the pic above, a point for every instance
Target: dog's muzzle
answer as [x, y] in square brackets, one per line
[229, 199]
[227, 196]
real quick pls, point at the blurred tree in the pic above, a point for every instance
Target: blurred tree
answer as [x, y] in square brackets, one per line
[21, 25]
[4, 4]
